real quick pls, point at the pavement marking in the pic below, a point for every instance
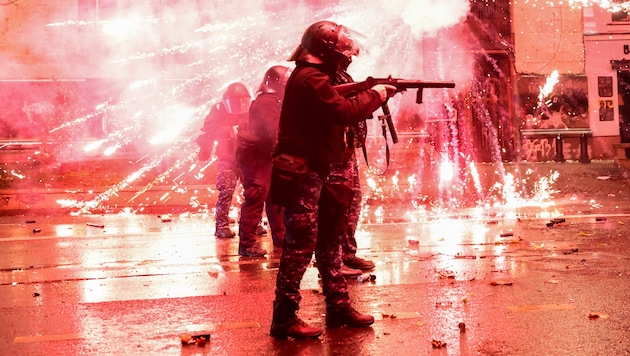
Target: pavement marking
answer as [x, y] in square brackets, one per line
[520, 308]
[44, 338]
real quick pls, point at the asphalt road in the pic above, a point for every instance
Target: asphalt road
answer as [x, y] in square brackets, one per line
[494, 280]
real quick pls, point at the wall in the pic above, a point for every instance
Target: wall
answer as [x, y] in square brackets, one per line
[603, 41]
[547, 38]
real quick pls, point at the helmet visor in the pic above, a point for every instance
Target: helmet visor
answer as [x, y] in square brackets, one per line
[349, 42]
[236, 106]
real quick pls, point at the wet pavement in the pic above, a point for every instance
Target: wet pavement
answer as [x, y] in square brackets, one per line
[547, 278]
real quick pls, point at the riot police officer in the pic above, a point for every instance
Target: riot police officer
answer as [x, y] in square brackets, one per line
[312, 125]
[221, 125]
[253, 154]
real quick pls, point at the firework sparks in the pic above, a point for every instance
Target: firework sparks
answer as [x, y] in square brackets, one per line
[239, 43]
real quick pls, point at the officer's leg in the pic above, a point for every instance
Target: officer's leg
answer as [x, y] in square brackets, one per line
[226, 184]
[348, 240]
[274, 212]
[301, 233]
[251, 209]
[334, 204]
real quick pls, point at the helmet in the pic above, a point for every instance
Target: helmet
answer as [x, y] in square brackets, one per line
[237, 98]
[330, 42]
[275, 79]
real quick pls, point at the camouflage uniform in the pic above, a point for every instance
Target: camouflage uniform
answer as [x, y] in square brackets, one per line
[348, 241]
[227, 177]
[305, 223]
[308, 129]
[220, 126]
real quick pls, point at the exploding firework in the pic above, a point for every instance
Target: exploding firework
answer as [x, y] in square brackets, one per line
[172, 64]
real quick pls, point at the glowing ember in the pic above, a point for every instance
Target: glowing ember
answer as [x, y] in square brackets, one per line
[552, 80]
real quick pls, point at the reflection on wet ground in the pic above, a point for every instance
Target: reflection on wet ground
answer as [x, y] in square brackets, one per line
[515, 280]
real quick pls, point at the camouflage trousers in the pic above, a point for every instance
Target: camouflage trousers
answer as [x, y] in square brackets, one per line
[227, 177]
[348, 173]
[310, 226]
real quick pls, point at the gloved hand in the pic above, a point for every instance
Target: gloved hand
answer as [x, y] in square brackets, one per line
[384, 90]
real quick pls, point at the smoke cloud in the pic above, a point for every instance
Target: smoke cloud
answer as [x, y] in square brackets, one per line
[130, 67]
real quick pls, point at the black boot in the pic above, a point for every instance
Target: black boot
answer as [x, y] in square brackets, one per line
[347, 315]
[285, 323]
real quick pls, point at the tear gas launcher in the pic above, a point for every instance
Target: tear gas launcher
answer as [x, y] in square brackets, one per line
[351, 89]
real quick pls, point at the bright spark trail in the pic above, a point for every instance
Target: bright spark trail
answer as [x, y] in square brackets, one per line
[160, 111]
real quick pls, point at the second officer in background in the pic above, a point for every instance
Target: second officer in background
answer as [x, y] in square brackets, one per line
[253, 154]
[221, 125]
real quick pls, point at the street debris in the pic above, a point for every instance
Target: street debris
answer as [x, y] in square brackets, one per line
[199, 339]
[438, 344]
[446, 304]
[365, 277]
[507, 242]
[537, 247]
[502, 282]
[215, 270]
[446, 274]
[583, 233]
[594, 316]
[556, 221]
